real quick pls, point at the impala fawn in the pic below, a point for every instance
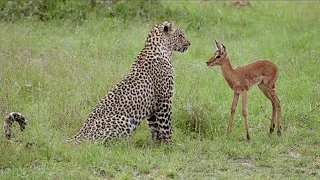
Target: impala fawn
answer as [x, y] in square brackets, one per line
[263, 73]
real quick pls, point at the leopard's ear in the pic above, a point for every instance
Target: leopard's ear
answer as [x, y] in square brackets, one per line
[167, 27]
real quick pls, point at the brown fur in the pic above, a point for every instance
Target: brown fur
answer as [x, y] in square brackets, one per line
[263, 73]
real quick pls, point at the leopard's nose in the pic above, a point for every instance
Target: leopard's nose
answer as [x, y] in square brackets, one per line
[189, 43]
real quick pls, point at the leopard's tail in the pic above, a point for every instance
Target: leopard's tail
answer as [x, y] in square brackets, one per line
[72, 140]
[76, 139]
[10, 119]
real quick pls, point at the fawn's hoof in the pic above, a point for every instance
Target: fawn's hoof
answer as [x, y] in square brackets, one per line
[279, 133]
[248, 137]
[271, 130]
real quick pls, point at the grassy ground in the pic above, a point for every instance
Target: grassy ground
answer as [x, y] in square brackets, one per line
[55, 72]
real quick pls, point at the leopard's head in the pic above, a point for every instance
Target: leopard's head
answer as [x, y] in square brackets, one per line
[175, 37]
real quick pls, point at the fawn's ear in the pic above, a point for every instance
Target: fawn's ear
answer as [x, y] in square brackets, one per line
[217, 45]
[223, 49]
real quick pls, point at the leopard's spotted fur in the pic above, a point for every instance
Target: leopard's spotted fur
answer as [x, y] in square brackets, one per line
[145, 92]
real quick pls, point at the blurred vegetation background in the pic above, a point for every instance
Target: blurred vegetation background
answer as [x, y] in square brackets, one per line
[59, 57]
[46, 10]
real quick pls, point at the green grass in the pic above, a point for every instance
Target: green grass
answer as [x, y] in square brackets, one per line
[55, 72]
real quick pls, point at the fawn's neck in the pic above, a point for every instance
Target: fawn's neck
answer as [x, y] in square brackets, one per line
[228, 71]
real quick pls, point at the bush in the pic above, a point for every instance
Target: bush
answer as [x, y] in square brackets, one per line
[45, 10]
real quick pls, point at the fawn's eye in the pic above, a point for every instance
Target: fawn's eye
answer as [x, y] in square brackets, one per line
[218, 57]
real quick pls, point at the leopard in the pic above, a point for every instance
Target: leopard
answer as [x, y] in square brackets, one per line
[146, 92]
[10, 119]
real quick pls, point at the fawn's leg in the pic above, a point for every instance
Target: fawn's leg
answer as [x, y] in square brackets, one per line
[278, 106]
[244, 96]
[233, 109]
[267, 94]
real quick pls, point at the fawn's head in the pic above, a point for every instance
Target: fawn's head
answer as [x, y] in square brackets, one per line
[218, 56]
